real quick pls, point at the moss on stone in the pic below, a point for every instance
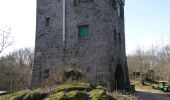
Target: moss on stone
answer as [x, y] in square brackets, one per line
[58, 96]
[15, 96]
[77, 95]
[97, 94]
[73, 86]
[107, 97]
[35, 96]
[100, 94]
[72, 95]
[18, 97]
[71, 91]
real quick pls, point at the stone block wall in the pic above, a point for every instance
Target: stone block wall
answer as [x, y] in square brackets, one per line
[99, 54]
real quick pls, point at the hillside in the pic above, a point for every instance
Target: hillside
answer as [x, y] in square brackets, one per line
[71, 91]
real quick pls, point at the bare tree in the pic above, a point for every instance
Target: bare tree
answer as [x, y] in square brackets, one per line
[6, 39]
[15, 72]
[24, 56]
[156, 59]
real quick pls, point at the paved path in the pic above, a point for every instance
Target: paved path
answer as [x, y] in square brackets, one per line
[146, 95]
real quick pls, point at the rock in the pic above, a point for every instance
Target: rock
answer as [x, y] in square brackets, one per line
[35, 96]
[58, 96]
[100, 94]
[72, 95]
[15, 96]
[77, 95]
[71, 91]
[74, 86]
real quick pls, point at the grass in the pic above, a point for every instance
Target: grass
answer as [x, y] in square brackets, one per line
[139, 86]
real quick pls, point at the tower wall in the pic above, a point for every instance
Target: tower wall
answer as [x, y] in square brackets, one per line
[97, 54]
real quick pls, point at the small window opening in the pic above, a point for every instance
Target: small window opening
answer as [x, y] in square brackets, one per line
[47, 22]
[121, 12]
[83, 31]
[115, 35]
[118, 10]
[46, 73]
[120, 37]
[75, 3]
[85, 1]
[80, 1]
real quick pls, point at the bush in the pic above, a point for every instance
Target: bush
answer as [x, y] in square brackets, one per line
[73, 75]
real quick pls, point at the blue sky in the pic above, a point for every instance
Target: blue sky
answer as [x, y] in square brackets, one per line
[147, 22]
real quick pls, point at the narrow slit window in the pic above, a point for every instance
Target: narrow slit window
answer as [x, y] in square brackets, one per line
[120, 38]
[118, 10]
[115, 35]
[121, 12]
[47, 22]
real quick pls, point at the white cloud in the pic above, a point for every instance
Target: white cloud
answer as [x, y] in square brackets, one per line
[145, 43]
[19, 15]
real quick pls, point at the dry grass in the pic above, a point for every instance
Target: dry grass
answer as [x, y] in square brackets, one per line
[140, 87]
[120, 96]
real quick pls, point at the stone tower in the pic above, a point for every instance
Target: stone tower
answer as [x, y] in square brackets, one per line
[86, 35]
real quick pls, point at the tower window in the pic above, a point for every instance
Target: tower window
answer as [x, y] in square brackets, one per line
[120, 37]
[115, 35]
[118, 10]
[47, 22]
[75, 3]
[83, 31]
[85, 1]
[46, 73]
[121, 12]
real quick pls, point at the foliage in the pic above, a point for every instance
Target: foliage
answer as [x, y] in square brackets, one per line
[154, 59]
[73, 75]
[148, 78]
[63, 75]
[15, 73]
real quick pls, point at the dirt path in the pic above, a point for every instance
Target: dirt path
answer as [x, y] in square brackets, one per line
[151, 95]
